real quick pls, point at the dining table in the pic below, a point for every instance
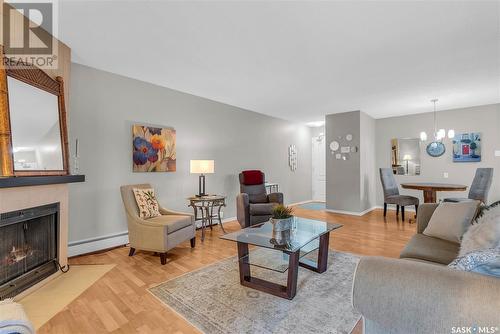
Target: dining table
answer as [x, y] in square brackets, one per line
[430, 189]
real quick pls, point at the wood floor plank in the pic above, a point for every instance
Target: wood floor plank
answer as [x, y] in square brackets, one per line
[120, 303]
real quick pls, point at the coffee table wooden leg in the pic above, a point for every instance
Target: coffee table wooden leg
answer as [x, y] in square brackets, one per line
[279, 290]
[293, 271]
[243, 263]
[324, 241]
[430, 196]
[322, 264]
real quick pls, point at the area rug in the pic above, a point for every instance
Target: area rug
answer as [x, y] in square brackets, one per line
[318, 206]
[213, 300]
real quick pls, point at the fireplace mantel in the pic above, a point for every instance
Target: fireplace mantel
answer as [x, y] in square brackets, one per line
[26, 181]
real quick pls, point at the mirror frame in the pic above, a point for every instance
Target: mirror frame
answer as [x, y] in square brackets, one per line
[37, 78]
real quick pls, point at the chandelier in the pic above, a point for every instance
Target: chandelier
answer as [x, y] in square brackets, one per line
[438, 134]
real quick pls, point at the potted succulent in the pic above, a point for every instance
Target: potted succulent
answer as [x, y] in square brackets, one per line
[282, 218]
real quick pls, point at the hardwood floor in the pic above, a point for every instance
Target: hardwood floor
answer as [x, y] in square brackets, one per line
[120, 303]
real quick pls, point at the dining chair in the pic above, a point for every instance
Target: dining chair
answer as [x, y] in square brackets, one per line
[391, 193]
[480, 187]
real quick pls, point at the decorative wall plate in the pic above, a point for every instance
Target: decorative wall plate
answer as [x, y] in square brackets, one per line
[334, 145]
[436, 149]
[348, 137]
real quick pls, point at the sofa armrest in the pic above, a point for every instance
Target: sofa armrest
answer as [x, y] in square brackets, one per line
[275, 198]
[424, 215]
[403, 296]
[243, 209]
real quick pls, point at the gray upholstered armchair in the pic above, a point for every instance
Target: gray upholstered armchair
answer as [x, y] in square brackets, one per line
[391, 193]
[158, 234]
[253, 204]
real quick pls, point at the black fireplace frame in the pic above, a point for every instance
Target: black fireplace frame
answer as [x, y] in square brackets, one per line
[38, 274]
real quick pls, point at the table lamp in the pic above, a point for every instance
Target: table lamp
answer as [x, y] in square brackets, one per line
[201, 167]
[407, 158]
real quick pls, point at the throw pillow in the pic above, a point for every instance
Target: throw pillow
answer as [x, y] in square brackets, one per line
[485, 233]
[147, 203]
[485, 261]
[451, 220]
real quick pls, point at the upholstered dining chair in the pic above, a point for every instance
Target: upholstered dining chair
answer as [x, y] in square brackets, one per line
[480, 187]
[159, 234]
[253, 204]
[391, 193]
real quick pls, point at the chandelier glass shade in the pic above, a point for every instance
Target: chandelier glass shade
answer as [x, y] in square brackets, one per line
[440, 134]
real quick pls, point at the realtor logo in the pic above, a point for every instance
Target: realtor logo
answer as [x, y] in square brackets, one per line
[28, 30]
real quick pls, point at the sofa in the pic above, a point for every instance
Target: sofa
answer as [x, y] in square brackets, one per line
[418, 293]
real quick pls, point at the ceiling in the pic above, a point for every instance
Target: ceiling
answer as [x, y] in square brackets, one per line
[298, 60]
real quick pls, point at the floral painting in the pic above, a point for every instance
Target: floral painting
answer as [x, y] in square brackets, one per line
[467, 147]
[153, 149]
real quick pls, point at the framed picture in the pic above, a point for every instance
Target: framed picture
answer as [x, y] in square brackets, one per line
[153, 149]
[467, 147]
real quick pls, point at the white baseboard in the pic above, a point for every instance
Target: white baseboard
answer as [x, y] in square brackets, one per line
[96, 244]
[303, 202]
[352, 213]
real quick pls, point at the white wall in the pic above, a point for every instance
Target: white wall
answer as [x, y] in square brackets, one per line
[103, 107]
[484, 119]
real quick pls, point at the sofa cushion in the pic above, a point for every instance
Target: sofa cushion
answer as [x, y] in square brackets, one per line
[450, 220]
[260, 209]
[430, 249]
[172, 222]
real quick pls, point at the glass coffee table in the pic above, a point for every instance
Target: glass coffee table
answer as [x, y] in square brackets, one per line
[282, 251]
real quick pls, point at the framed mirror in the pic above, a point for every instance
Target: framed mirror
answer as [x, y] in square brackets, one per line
[405, 156]
[32, 123]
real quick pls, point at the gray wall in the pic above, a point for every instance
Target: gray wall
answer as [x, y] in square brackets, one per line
[484, 119]
[343, 177]
[103, 107]
[367, 154]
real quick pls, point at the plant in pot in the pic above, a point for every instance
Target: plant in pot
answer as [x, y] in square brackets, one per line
[282, 218]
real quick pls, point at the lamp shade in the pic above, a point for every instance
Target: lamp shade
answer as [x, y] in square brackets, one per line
[202, 166]
[407, 157]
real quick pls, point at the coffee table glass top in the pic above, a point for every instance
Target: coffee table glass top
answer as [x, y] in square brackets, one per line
[303, 231]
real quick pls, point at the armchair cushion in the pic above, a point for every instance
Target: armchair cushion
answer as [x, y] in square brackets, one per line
[260, 209]
[252, 177]
[146, 202]
[422, 247]
[172, 222]
[258, 198]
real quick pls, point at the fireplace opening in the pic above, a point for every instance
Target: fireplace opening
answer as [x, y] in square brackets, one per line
[28, 248]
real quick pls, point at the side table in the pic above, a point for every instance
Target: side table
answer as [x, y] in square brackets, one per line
[210, 207]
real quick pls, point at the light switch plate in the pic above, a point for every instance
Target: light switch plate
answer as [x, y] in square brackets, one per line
[445, 175]
[497, 153]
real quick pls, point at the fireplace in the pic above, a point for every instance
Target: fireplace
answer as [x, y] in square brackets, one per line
[28, 247]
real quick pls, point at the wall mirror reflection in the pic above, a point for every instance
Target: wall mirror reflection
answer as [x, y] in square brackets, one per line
[35, 128]
[405, 156]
